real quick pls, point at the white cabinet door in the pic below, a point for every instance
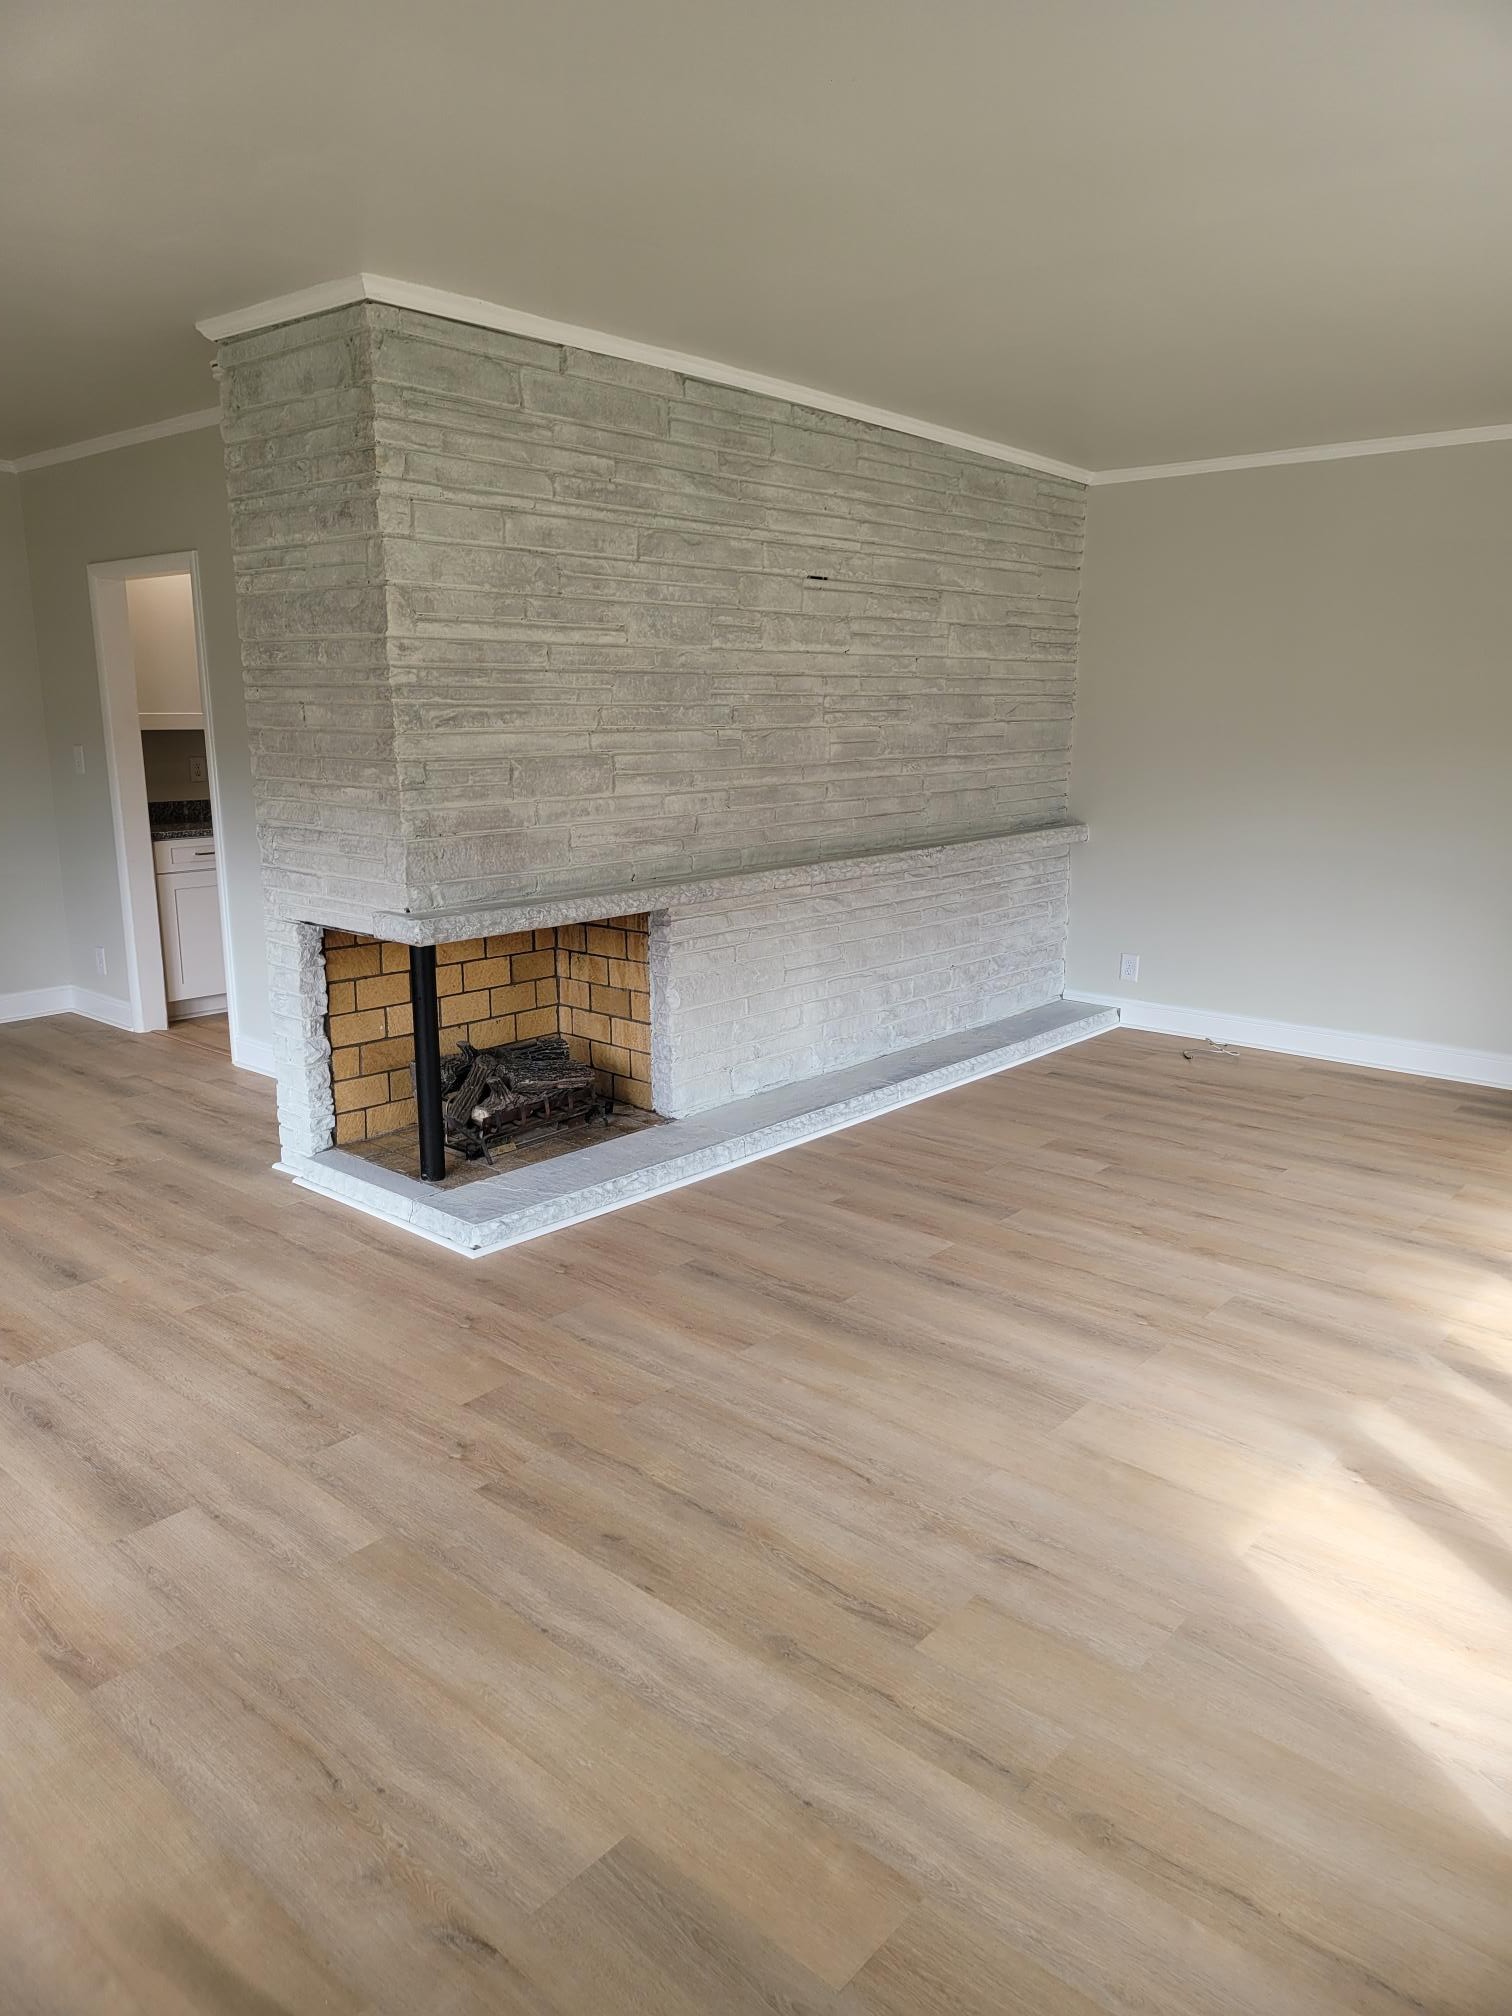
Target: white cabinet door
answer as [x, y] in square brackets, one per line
[189, 915]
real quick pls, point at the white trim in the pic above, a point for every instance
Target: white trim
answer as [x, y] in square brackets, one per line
[194, 1007]
[129, 437]
[1303, 1039]
[253, 1053]
[163, 720]
[217, 821]
[116, 666]
[520, 322]
[247, 1053]
[1330, 451]
[128, 785]
[36, 1002]
[100, 1007]
[302, 302]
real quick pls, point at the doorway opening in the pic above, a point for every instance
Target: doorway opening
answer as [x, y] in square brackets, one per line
[165, 795]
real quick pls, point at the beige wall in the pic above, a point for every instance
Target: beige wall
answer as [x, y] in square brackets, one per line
[165, 496]
[33, 933]
[160, 613]
[166, 756]
[1294, 745]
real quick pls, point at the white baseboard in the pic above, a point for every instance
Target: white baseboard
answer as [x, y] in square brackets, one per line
[1303, 1039]
[34, 1001]
[250, 1053]
[195, 1006]
[100, 1007]
[37, 1001]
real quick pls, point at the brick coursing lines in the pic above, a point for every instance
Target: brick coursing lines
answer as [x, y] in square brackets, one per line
[301, 478]
[514, 614]
[782, 986]
[587, 982]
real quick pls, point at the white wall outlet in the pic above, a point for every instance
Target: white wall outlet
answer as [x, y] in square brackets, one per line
[78, 756]
[100, 966]
[197, 769]
[1128, 966]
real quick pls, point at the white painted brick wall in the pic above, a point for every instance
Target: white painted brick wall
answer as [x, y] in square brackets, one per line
[519, 620]
[782, 986]
[515, 615]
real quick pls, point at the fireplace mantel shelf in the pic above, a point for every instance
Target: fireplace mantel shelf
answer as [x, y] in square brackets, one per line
[537, 912]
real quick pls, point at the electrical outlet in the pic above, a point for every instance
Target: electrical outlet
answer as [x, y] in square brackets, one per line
[1128, 966]
[100, 961]
[197, 769]
[78, 755]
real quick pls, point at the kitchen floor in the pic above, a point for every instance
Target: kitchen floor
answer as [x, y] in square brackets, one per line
[207, 1032]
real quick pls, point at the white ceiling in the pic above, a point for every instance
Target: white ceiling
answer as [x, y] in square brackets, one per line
[1110, 231]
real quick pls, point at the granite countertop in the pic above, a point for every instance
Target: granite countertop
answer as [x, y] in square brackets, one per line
[180, 818]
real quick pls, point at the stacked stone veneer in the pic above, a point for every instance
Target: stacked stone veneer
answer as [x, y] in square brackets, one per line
[521, 623]
[587, 982]
[781, 984]
[514, 616]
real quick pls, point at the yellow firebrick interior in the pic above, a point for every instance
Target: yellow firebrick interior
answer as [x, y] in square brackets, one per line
[587, 982]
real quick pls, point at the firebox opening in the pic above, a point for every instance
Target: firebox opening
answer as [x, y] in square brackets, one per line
[586, 985]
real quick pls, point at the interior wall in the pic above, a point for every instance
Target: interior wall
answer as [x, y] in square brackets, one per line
[164, 496]
[1294, 745]
[167, 754]
[160, 610]
[33, 934]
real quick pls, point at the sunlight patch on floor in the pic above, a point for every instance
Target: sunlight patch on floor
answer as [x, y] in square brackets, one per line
[1407, 1614]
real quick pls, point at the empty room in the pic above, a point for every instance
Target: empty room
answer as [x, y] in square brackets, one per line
[756, 1008]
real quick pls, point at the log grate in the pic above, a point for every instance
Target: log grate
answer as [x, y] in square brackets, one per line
[513, 1094]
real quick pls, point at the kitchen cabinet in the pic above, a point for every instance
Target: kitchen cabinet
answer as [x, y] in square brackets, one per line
[189, 920]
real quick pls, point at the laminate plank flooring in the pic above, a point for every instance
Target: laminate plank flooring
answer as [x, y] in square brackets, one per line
[1042, 1553]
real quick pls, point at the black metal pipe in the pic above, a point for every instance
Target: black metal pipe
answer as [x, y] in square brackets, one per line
[430, 1119]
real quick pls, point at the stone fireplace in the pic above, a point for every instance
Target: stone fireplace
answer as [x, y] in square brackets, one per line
[724, 737]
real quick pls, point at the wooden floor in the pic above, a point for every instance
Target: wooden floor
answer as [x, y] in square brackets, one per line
[1040, 1553]
[207, 1032]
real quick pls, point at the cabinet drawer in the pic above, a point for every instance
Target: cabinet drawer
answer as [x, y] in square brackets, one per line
[183, 853]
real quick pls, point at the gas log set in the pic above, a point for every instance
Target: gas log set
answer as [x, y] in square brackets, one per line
[516, 1093]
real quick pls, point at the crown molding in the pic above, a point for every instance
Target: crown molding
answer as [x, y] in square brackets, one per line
[296, 306]
[520, 322]
[129, 437]
[1279, 458]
